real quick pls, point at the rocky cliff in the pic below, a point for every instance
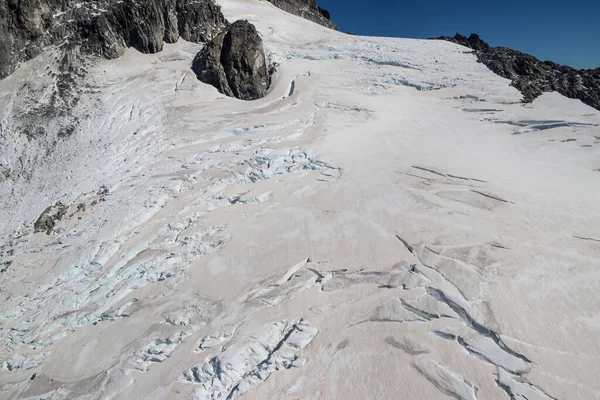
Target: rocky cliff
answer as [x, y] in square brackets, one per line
[532, 76]
[101, 27]
[307, 9]
[108, 27]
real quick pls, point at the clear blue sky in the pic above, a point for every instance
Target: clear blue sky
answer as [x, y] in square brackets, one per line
[567, 32]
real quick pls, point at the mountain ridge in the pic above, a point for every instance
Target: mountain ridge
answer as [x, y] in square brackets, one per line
[531, 76]
[307, 9]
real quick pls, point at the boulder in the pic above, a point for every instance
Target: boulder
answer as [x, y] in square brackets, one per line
[234, 62]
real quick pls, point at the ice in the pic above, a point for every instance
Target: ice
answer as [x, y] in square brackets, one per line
[447, 381]
[248, 360]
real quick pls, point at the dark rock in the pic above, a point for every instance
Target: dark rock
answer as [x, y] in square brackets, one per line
[474, 41]
[5, 266]
[208, 68]
[325, 13]
[533, 77]
[199, 21]
[307, 9]
[234, 62]
[101, 27]
[47, 220]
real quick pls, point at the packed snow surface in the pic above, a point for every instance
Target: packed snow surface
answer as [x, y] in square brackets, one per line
[389, 222]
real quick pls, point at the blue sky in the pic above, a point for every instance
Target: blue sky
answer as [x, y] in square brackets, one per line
[567, 32]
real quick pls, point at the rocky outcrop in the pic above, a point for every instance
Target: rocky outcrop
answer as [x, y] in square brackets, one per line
[533, 77]
[307, 9]
[101, 27]
[234, 62]
[47, 220]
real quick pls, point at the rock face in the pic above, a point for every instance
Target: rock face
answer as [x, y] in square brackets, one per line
[532, 76]
[101, 27]
[234, 62]
[307, 9]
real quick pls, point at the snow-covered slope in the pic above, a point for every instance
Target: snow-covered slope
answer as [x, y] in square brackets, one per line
[389, 222]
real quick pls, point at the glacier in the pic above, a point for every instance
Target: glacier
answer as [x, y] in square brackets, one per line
[390, 221]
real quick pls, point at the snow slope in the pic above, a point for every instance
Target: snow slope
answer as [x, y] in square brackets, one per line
[389, 222]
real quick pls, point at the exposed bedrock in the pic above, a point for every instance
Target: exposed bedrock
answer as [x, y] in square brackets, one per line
[101, 27]
[234, 62]
[533, 77]
[307, 9]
